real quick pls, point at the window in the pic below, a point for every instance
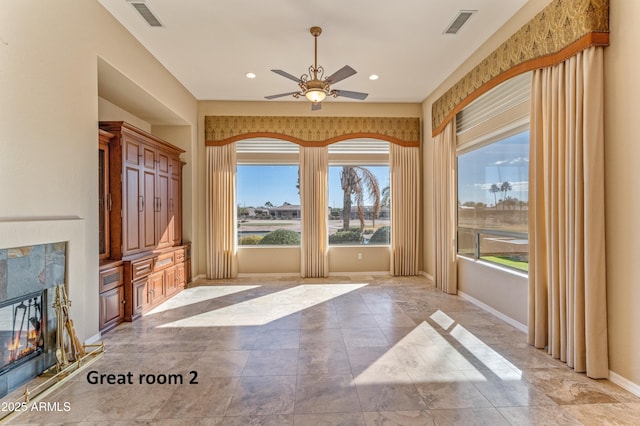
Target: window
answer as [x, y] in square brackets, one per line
[493, 187]
[359, 193]
[268, 197]
[493, 175]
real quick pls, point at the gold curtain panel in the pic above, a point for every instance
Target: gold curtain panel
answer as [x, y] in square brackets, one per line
[311, 131]
[559, 31]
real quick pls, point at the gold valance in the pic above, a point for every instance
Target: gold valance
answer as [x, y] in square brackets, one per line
[311, 131]
[559, 31]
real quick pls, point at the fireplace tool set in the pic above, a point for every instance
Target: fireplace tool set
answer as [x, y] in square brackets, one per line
[71, 355]
[64, 322]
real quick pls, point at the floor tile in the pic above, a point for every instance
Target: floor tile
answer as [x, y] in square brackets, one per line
[263, 396]
[326, 394]
[291, 351]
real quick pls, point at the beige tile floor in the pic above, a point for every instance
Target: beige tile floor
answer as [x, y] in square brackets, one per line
[339, 351]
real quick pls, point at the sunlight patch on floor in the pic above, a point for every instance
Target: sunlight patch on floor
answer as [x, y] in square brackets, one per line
[265, 309]
[425, 355]
[200, 294]
[495, 363]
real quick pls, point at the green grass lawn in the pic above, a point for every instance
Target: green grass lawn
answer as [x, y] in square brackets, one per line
[266, 223]
[506, 261]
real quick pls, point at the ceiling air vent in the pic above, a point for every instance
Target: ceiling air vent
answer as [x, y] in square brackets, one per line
[461, 19]
[145, 12]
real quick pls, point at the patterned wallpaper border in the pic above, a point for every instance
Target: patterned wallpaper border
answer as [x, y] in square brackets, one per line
[311, 131]
[559, 31]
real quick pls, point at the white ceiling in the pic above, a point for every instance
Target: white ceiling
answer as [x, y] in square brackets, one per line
[209, 45]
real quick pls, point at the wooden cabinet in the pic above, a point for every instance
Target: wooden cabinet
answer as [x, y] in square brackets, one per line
[140, 200]
[146, 179]
[152, 278]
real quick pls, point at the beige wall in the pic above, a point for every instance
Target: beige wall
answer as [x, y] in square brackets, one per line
[360, 259]
[375, 258]
[505, 291]
[622, 127]
[108, 111]
[49, 118]
[622, 198]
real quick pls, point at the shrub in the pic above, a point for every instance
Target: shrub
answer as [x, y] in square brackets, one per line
[381, 236]
[281, 237]
[249, 240]
[346, 237]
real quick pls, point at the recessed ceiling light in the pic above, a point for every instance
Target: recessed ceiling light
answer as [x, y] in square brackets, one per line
[373, 77]
[250, 75]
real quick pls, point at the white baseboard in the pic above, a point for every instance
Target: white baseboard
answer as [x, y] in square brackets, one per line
[268, 275]
[625, 384]
[93, 339]
[361, 274]
[493, 311]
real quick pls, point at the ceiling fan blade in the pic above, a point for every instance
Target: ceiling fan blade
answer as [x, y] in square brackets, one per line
[281, 95]
[287, 75]
[315, 106]
[352, 95]
[341, 74]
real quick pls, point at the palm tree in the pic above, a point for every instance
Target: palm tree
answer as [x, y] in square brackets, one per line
[386, 197]
[494, 190]
[354, 180]
[268, 204]
[505, 187]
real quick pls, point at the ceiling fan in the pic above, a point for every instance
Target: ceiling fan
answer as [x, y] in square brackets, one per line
[313, 86]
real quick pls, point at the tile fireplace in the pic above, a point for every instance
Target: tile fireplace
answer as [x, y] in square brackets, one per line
[28, 276]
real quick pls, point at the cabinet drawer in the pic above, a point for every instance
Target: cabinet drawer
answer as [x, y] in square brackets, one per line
[111, 278]
[141, 268]
[164, 261]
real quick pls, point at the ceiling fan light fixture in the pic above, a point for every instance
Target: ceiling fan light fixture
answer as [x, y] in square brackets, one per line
[315, 95]
[315, 86]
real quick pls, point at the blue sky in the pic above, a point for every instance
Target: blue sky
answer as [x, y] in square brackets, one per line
[507, 160]
[277, 184]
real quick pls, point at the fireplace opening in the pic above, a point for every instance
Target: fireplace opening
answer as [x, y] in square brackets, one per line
[22, 330]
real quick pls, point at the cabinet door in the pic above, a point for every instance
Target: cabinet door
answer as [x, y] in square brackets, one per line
[134, 203]
[148, 221]
[132, 198]
[156, 287]
[163, 219]
[104, 198]
[111, 308]
[181, 275]
[171, 280]
[140, 297]
[175, 211]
